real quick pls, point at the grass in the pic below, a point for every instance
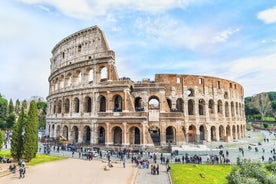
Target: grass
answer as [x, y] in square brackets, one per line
[199, 174]
[40, 158]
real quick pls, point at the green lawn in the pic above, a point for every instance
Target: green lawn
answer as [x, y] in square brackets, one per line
[40, 158]
[199, 174]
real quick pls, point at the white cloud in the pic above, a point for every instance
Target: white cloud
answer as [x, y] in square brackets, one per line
[224, 35]
[89, 9]
[268, 16]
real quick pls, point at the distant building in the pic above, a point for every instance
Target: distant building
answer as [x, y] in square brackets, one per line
[89, 103]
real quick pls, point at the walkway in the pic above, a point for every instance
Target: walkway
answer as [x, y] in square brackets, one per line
[145, 177]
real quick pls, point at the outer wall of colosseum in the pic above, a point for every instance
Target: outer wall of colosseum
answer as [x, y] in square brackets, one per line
[89, 103]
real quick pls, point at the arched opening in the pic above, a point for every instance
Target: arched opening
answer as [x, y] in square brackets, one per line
[59, 106]
[102, 104]
[180, 105]
[232, 109]
[57, 131]
[201, 107]
[170, 135]
[117, 136]
[154, 103]
[237, 109]
[52, 131]
[75, 134]
[211, 106]
[226, 109]
[219, 107]
[65, 132]
[66, 105]
[190, 92]
[191, 110]
[155, 135]
[201, 133]
[226, 95]
[103, 74]
[228, 131]
[192, 134]
[221, 132]
[76, 105]
[234, 132]
[90, 76]
[87, 104]
[134, 135]
[68, 80]
[101, 135]
[86, 135]
[139, 104]
[213, 133]
[118, 103]
[78, 78]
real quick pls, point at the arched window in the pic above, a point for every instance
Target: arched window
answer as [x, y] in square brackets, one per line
[179, 105]
[117, 103]
[190, 92]
[201, 107]
[191, 107]
[103, 74]
[102, 104]
[219, 106]
[76, 105]
[66, 105]
[226, 109]
[154, 102]
[211, 106]
[139, 104]
[87, 104]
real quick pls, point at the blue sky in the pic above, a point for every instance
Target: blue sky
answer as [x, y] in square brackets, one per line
[235, 39]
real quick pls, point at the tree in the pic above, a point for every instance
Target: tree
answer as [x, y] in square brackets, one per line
[11, 107]
[10, 121]
[42, 111]
[2, 138]
[3, 112]
[25, 104]
[17, 107]
[17, 136]
[30, 145]
[262, 103]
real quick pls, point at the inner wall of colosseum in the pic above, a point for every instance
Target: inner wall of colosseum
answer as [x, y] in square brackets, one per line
[88, 103]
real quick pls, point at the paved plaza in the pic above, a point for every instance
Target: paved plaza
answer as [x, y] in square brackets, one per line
[76, 170]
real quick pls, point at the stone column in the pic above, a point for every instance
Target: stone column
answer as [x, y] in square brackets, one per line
[163, 133]
[143, 137]
[179, 134]
[108, 135]
[125, 133]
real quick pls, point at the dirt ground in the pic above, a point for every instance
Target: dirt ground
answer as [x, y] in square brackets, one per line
[74, 171]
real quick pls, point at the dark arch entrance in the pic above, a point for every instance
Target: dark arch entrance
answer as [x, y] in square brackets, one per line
[155, 135]
[86, 135]
[213, 133]
[65, 132]
[75, 134]
[134, 134]
[117, 136]
[201, 133]
[101, 135]
[170, 135]
[191, 133]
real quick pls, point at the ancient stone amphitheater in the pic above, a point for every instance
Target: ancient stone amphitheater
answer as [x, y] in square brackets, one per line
[89, 103]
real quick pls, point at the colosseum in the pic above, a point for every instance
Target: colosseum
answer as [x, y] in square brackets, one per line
[88, 103]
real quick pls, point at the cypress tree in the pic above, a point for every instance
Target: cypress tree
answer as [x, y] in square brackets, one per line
[17, 137]
[2, 138]
[11, 107]
[30, 145]
[17, 107]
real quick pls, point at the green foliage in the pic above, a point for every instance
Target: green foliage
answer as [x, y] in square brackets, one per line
[17, 107]
[11, 107]
[25, 104]
[271, 167]
[30, 145]
[10, 121]
[40, 158]
[2, 138]
[248, 172]
[3, 112]
[17, 137]
[42, 111]
[265, 125]
[192, 174]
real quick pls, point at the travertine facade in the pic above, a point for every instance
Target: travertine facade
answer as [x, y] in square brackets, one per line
[89, 103]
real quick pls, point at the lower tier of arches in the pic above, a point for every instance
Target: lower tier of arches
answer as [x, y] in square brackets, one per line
[144, 133]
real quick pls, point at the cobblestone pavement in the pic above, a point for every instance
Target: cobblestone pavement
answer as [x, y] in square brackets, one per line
[145, 177]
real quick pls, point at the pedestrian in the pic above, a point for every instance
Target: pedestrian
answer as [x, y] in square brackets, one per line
[157, 169]
[22, 172]
[124, 163]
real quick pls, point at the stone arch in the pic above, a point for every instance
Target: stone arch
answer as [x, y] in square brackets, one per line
[86, 135]
[118, 103]
[191, 109]
[57, 131]
[101, 135]
[221, 132]
[139, 104]
[77, 78]
[65, 131]
[87, 104]
[219, 107]
[237, 109]
[201, 107]
[66, 105]
[190, 92]
[155, 134]
[102, 104]
[117, 135]
[234, 132]
[61, 82]
[211, 106]
[180, 105]
[52, 131]
[170, 135]
[226, 107]
[103, 73]
[154, 102]
[226, 96]
[228, 131]
[76, 105]
[134, 135]
[68, 80]
[232, 109]
[238, 132]
[59, 104]
[90, 75]
[201, 133]
[213, 133]
[75, 134]
[192, 134]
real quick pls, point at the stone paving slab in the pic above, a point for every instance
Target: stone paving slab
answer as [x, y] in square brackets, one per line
[144, 176]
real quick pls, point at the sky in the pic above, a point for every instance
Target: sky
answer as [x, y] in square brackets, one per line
[233, 40]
